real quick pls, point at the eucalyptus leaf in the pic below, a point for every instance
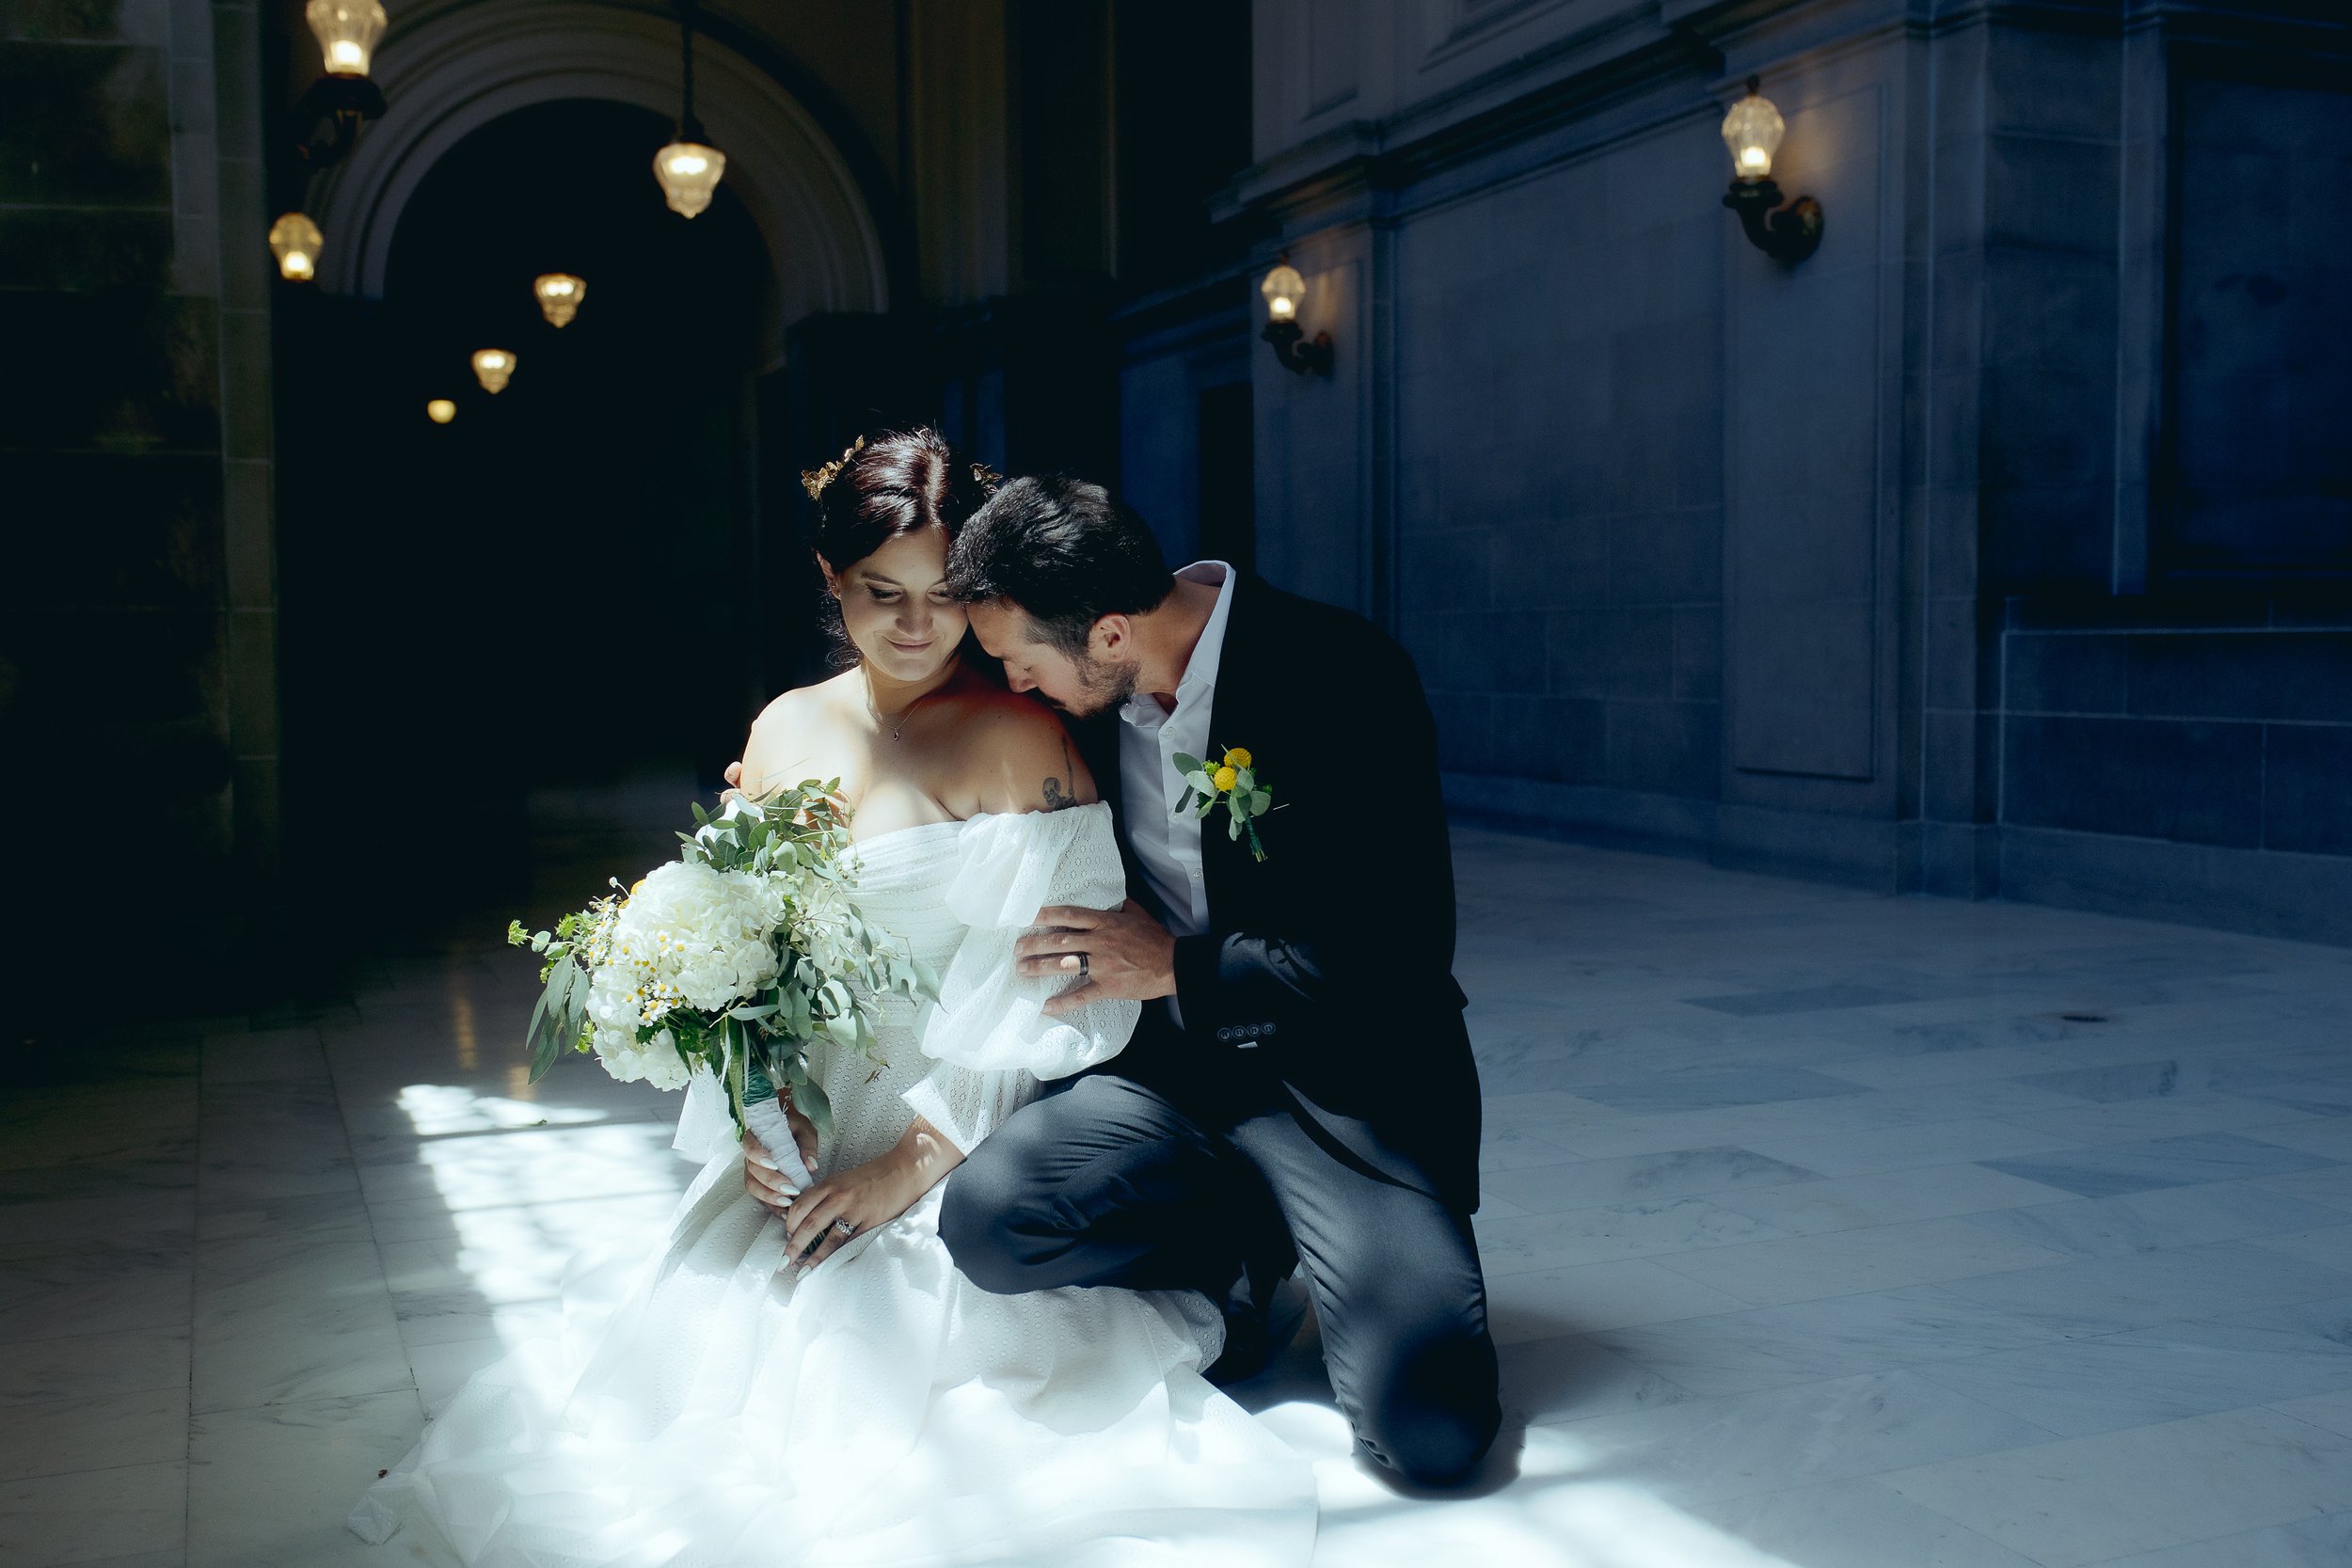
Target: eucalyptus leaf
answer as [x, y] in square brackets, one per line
[531, 1031]
[816, 1105]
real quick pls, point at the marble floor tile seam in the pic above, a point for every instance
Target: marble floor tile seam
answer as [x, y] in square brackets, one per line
[1706, 1257]
[1732, 1405]
[60, 1476]
[2205, 1157]
[2338, 1525]
[136, 1385]
[2048, 1439]
[2104, 1495]
[186, 1319]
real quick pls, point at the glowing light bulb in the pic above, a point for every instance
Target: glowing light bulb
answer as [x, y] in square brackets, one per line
[493, 367]
[558, 295]
[440, 411]
[295, 240]
[690, 174]
[1753, 129]
[346, 31]
[1283, 290]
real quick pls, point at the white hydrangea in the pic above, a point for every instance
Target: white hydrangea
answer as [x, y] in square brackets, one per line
[686, 936]
[656, 1060]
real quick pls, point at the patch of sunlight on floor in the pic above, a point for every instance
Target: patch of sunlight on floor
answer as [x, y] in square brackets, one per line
[537, 1199]
[1559, 1511]
[435, 1110]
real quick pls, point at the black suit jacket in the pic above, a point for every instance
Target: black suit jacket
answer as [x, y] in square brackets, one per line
[1326, 973]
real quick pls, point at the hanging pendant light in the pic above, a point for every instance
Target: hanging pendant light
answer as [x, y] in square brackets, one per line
[295, 240]
[558, 295]
[688, 172]
[689, 167]
[440, 410]
[346, 31]
[493, 367]
[326, 121]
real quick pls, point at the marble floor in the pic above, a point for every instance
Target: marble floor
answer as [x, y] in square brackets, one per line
[1822, 1228]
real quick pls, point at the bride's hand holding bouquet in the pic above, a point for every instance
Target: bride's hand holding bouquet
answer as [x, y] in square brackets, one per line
[740, 957]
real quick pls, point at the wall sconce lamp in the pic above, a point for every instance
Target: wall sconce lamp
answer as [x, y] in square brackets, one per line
[492, 367]
[1753, 129]
[327, 119]
[295, 240]
[1283, 290]
[689, 167]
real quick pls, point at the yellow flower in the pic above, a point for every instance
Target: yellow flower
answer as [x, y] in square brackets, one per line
[1224, 778]
[1238, 757]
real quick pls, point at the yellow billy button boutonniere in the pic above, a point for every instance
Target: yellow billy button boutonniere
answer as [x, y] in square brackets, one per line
[1234, 782]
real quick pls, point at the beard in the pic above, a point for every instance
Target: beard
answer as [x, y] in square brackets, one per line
[1102, 687]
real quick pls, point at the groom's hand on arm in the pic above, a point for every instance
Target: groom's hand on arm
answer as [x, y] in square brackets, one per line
[1129, 956]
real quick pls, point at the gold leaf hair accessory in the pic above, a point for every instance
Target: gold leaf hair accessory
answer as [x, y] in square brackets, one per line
[986, 478]
[814, 479]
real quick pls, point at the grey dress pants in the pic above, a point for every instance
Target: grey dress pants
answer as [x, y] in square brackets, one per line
[1108, 1181]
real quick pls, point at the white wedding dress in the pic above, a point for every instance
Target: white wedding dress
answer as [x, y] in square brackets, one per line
[877, 1409]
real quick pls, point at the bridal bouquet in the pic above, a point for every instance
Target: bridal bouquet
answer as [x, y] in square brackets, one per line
[742, 955]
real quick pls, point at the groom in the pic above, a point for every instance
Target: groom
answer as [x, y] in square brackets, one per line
[1301, 1083]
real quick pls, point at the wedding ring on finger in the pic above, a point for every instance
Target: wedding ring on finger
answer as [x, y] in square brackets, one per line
[846, 1228]
[1083, 966]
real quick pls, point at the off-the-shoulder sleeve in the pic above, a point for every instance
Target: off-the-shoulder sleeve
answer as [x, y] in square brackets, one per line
[988, 1033]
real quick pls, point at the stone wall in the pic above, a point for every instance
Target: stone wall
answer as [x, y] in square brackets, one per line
[1801, 567]
[137, 698]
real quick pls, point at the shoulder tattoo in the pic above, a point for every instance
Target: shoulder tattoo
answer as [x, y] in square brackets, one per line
[1056, 798]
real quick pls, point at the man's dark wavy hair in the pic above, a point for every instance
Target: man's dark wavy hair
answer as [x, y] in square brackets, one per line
[1065, 551]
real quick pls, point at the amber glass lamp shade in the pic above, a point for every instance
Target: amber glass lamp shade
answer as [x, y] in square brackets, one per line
[440, 410]
[347, 31]
[493, 367]
[1752, 130]
[1283, 290]
[558, 295]
[688, 172]
[295, 240]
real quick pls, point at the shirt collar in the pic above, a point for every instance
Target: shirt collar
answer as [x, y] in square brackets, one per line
[1198, 680]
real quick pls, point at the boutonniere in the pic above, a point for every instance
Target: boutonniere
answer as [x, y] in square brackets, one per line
[1234, 780]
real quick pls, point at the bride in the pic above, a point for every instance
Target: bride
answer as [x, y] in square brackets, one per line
[804, 1378]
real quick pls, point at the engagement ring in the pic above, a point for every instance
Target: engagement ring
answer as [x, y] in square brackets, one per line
[846, 1228]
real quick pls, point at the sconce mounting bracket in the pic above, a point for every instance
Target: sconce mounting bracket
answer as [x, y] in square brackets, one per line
[1789, 233]
[1295, 352]
[326, 119]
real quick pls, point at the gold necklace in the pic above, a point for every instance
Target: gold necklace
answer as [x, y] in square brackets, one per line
[900, 728]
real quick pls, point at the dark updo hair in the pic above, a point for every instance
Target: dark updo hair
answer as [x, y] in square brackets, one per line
[901, 482]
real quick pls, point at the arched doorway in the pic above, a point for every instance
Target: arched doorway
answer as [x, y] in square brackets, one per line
[449, 74]
[559, 597]
[556, 591]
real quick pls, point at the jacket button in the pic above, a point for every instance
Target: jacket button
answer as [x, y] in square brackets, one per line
[1269, 1031]
[1224, 1034]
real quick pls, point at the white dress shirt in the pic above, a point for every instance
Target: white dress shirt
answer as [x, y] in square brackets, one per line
[1167, 845]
